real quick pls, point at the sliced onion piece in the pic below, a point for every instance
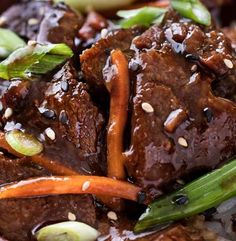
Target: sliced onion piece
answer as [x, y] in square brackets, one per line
[23, 143]
[67, 231]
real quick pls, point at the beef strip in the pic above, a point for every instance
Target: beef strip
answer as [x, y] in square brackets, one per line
[189, 128]
[43, 22]
[64, 105]
[60, 25]
[19, 216]
[172, 67]
[94, 71]
[25, 18]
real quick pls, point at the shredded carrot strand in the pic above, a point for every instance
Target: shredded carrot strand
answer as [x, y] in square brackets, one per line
[57, 185]
[118, 115]
[53, 166]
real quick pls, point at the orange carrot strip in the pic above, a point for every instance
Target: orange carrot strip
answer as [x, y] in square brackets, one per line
[53, 166]
[118, 115]
[70, 185]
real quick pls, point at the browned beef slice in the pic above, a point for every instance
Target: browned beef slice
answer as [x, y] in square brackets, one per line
[64, 105]
[94, 60]
[44, 22]
[189, 127]
[19, 216]
[60, 25]
[25, 18]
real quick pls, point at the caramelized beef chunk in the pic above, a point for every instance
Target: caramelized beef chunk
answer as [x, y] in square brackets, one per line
[19, 216]
[60, 25]
[25, 18]
[189, 128]
[43, 22]
[95, 60]
[61, 103]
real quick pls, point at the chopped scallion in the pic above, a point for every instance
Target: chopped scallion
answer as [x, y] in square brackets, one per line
[200, 195]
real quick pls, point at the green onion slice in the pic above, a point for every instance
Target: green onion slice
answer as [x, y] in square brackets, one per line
[143, 16]
[9, 42]
[67, 231]
[204, 193]
[193, 9]
[23, 143]
[34, 60]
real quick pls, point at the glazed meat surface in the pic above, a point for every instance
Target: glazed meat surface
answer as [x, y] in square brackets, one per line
[185, 127]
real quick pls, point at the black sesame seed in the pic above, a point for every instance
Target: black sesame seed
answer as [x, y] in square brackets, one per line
[64, 86]
[63, 117]
[141, 197]
[107, 51]
[49, 114]
[180, 199]
[208, 114]
[192, 57]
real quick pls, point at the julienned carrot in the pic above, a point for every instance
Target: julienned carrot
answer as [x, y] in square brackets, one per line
[119, 92]
[56, 185]
[51, 165]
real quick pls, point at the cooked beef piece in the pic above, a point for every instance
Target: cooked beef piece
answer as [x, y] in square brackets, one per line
[19, 216]
[94, 60]
[91, 29]
[187, 127]
[43, 22]
[64, 105]
[25, 18]
[60, 25]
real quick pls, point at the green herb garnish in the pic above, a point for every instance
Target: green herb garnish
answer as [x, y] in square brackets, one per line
[142, 16]
[34, 60]
[23, 143]
[67, 231]
[9, 42]
[204, 193]
[192, 9]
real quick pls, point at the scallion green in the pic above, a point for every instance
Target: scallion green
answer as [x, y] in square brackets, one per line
[9, 42]
[204, 193]
[34, 60]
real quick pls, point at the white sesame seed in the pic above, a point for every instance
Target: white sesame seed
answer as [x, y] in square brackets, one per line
[2, 20]
[182, 141]
[71, 216]
[32, 43]
[104, 33]
[8, 113]
[33, 21]
[194, 68]
[85, 186]
[147, 107]
[228, 63]
[50, 133]
[112, 215]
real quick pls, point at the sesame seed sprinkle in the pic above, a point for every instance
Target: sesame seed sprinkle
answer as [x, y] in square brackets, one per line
[33, 21]
[71, 216]
[32, 43]
[85, 186]
[228, 63]
[2, 20]
[50, 133]
[8, 113]
[112, 215]
[147, 107]
[182, 141]
[194, 68]
[104, 33]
